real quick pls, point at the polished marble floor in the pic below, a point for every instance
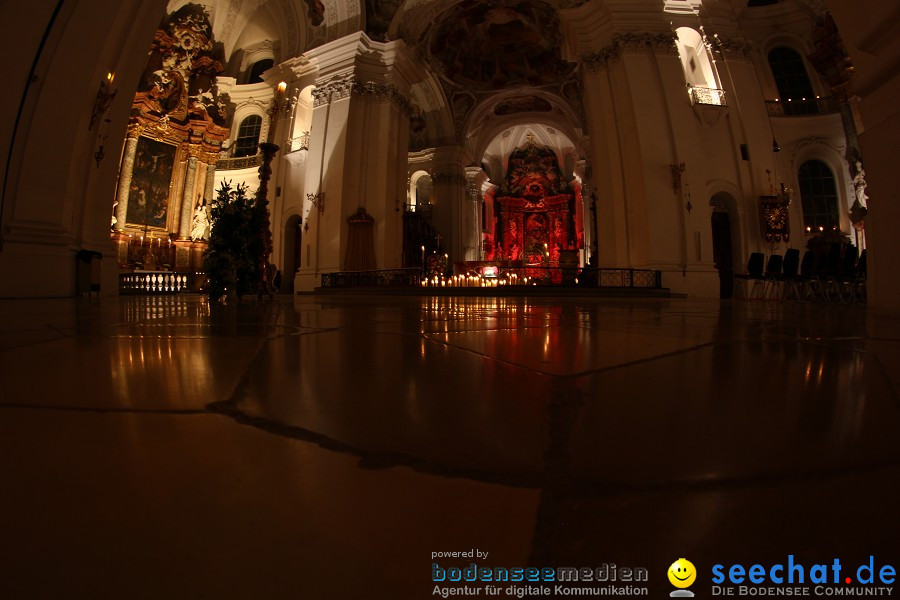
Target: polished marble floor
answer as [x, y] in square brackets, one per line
[325, 447]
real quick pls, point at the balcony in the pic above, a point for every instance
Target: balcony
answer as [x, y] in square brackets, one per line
[299, 143]
[708, 103]
[243, 162]
[707, 96]
[803, 106]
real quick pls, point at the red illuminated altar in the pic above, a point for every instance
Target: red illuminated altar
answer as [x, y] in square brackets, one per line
[536, 211]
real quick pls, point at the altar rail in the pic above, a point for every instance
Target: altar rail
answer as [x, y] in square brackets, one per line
[407, 278]
[153, 282]
[630, 278]
[544, 276]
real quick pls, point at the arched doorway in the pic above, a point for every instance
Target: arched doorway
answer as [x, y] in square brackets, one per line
[293, 242]
[723, 244]
[722, 253]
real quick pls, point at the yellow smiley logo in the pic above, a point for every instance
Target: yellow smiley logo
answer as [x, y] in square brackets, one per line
[682, 573]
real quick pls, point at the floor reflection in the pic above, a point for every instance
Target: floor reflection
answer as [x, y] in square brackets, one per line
[370, 431]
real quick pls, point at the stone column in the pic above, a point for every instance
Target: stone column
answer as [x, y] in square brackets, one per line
[380, 179]
[582, 170]
[173, 219]
[125, 181]
[449, 199]
[187, 202]
[611, 217]
[199, 186]
[472, 225]
[366, 84]
[210, 192]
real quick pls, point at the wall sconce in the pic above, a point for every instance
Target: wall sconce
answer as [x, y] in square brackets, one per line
[318, 200]
[99, 155]
[688, 206]
[282, 106]
[677, 170]
[105, 96]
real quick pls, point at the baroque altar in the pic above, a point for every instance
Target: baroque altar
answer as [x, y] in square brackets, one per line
[178, 124]
[537, 210]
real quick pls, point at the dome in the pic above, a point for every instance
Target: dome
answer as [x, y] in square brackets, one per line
[482, 45]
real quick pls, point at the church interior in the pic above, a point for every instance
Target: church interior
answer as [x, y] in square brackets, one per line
[157, 442]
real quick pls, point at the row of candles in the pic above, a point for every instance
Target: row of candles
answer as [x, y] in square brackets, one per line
[476, 281]
[150, 239]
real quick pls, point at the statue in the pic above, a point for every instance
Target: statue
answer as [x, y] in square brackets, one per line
[859, 184]
[200, 224]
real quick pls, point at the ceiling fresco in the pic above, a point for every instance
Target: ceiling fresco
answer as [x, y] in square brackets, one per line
[495, 44]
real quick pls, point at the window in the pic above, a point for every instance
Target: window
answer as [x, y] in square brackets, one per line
[258, 68]
[424, 188]
[683, 7]
[247, 141]
[793, 83]
[818, 195]
[699, 70]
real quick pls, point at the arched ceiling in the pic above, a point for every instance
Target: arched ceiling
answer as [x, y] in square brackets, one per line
[413, 18]
[485, 45]
[294, 25]
[505, 55]
[241, 23]
[496, 154]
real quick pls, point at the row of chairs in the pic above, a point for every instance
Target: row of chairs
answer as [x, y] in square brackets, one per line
[836, 276]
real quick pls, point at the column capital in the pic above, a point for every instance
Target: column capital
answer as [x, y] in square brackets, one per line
[634, 42]
[447, 159]
[381, 92]
[736, 49]
[476, 178]
[357, 58]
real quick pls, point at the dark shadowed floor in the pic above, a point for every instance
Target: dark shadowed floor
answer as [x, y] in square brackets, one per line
[325, 447]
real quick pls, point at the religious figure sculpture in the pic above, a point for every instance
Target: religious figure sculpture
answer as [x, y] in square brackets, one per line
[200, 224]
[859, 184]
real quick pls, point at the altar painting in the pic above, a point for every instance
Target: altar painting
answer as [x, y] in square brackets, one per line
[148, 195]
